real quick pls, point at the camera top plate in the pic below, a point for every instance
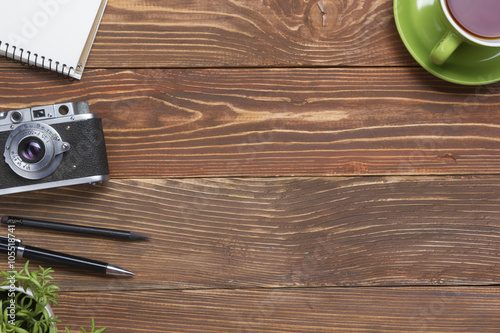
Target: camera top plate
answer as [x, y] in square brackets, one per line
[55, 113]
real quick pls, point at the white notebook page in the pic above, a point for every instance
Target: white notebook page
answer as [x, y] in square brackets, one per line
[58, 30]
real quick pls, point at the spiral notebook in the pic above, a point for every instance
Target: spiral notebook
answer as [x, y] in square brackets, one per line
[53, 34]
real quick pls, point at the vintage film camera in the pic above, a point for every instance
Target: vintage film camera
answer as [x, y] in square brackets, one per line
[51, 146]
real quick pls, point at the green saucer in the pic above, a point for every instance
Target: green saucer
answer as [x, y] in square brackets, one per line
[421, 28]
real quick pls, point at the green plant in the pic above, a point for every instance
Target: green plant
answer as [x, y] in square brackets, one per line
[26, 312]
[93, 329]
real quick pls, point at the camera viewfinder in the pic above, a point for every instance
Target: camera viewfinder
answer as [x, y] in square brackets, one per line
[63, 110]
[39, 113]
[16, 117]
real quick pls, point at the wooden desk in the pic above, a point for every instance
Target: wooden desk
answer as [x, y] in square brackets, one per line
[295, 167]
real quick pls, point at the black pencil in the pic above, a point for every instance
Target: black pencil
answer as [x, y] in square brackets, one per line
[79, 229]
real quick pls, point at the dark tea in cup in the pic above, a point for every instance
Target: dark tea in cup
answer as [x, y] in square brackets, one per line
[478, 17]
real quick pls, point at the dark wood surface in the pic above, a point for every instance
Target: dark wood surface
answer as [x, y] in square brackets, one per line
[296, 170]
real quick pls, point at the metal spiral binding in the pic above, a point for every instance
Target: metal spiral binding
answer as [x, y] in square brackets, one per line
[35, 63]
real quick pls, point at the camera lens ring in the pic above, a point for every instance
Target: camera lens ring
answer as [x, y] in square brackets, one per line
[43, 162]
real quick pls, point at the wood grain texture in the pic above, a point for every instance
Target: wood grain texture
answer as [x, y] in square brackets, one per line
[246, 33]
[278, 232]
[288, 310]
[205, 105]
[279, 122]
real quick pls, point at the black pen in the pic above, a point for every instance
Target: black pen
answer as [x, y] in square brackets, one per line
[15, 247]
[79, 229]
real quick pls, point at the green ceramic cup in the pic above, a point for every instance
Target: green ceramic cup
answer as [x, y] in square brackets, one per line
[456, 35]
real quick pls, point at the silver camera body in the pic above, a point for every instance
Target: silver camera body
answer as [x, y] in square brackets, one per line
[51, 146]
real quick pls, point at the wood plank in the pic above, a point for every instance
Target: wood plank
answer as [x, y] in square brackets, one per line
[287, 310]
[246, 33]
[277, 232]
[279, 122]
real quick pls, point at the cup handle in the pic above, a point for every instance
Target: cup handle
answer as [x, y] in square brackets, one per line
[445, 48]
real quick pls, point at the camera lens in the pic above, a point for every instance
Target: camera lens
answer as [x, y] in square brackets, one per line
[31, 150]
[34, 150]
